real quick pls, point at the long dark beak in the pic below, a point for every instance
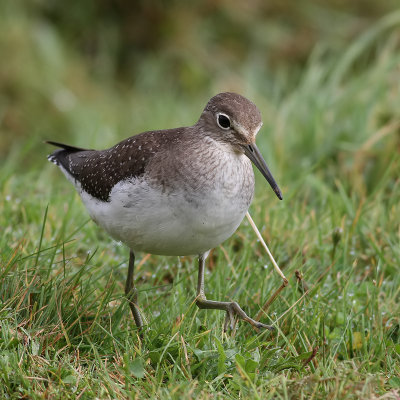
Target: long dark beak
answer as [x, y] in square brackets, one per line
[255, 156]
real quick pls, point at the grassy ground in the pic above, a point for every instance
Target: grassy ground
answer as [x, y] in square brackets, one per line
[333, 143]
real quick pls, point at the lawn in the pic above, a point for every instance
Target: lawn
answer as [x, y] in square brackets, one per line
[331, 137]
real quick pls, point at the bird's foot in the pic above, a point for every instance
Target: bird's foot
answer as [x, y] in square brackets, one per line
[232, 310]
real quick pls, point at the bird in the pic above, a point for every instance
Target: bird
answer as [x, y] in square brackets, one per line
[175, 192]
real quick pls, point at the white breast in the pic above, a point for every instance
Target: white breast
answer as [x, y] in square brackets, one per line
[178, 222]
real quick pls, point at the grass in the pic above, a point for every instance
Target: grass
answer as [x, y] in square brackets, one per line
[333, 144]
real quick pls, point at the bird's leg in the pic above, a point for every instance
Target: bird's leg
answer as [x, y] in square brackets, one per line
[131, 291]
[232, 308]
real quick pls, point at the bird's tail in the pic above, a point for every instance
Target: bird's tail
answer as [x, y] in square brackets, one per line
[59, 154]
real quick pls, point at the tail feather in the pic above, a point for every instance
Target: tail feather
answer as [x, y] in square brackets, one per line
[53, 157]
[65, 146]
[60, 156]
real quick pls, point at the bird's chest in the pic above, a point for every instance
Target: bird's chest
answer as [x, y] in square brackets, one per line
[221, 195]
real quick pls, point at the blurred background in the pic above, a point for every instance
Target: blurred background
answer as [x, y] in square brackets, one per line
[96, 71]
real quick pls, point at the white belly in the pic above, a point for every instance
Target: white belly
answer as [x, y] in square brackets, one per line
[148, 220]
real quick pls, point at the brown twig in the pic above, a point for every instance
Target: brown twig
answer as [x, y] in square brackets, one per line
[271, 300]
[313, 354]
[303, 286]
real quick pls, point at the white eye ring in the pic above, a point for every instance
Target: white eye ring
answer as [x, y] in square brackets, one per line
[223, 121]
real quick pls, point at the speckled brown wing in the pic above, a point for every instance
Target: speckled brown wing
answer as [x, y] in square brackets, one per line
[98, 171]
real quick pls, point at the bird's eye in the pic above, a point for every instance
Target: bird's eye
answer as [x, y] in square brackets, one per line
[223, 121]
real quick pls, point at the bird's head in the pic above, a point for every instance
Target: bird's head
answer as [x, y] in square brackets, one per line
[234, 120]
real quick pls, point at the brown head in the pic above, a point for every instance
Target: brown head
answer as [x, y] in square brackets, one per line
[235, 120]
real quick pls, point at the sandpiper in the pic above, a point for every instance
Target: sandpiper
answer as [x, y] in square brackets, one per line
[175, 192]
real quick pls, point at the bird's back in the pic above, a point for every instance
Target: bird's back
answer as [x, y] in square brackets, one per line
[97, 171]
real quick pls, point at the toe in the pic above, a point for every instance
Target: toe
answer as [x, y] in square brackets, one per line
[260, 325]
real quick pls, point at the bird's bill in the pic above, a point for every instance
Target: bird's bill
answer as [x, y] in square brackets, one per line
[255, 156]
